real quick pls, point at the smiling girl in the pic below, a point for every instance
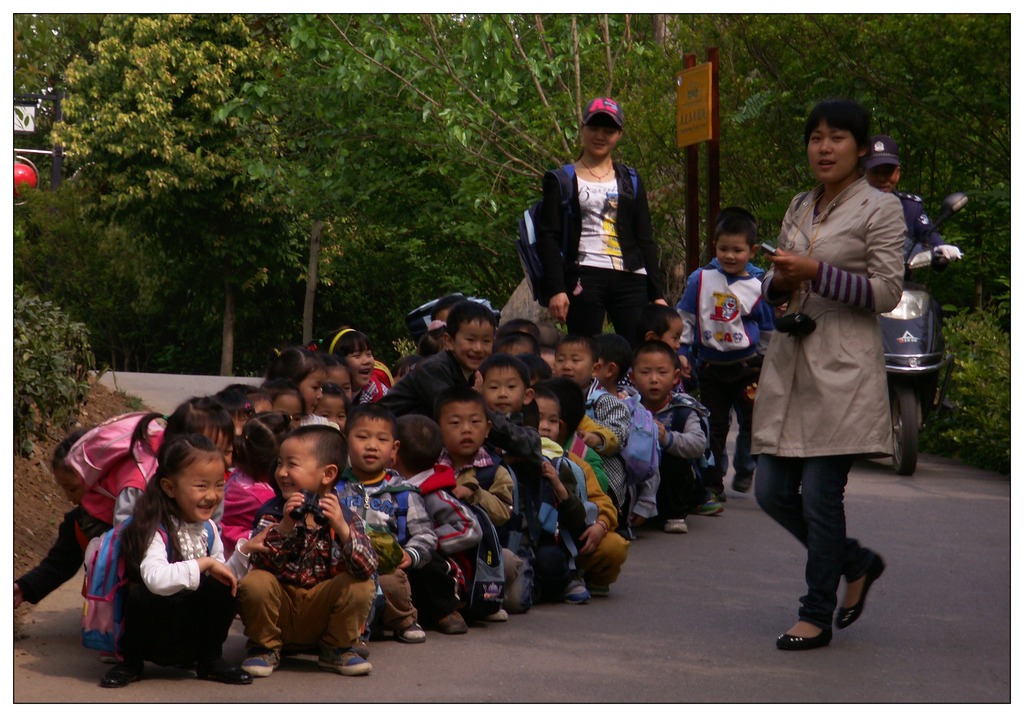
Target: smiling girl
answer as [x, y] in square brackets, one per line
[181, 596]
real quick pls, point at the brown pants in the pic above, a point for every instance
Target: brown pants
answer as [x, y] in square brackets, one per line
[399, 612]
[602, 566]
[278, 616]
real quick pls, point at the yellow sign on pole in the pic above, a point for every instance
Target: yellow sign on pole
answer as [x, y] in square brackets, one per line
[693, 105]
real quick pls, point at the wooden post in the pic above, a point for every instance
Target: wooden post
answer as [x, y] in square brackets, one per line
[692, 217]
[714, 165]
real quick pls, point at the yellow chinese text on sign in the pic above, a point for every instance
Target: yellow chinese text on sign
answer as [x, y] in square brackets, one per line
[693, 105]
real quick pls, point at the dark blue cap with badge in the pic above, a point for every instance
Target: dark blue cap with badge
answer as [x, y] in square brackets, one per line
[882, 149]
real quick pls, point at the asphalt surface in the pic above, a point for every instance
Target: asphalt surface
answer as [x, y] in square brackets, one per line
[693, 618]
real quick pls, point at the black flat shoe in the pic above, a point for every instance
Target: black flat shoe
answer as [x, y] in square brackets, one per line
[222, 672]
[121, 675]
[792, 642]
[847, 615]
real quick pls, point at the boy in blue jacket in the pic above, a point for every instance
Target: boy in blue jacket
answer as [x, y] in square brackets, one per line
[726, 326]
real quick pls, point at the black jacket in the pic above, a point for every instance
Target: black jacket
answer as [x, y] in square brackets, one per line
[417, 391]
[633, 225]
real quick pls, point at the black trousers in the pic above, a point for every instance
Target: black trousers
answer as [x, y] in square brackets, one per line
[723, 386]
[434, 589]
[189, 626]
[620, 294]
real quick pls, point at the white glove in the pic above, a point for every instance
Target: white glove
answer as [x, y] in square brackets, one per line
[949, 251]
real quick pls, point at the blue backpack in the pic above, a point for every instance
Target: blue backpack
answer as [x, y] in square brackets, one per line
[106, 588]
[642, 452]
[526, 242]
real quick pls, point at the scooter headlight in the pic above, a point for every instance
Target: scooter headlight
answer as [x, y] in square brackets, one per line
[913, 305]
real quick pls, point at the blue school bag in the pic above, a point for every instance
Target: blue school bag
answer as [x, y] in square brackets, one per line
[106, 588]
[642, 452]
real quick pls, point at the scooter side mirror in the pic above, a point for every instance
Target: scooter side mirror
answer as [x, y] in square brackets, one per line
[953, 203]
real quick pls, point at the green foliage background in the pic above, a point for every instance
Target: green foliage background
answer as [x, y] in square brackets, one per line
[52, 361]
[205, 148]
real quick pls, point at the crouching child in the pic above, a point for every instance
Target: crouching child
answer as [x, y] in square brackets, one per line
[311, 578]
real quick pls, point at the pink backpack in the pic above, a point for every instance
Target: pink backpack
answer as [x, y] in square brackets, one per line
[103, 447]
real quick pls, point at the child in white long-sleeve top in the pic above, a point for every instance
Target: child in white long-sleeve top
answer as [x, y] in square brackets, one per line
[181, 598]
[682, 439]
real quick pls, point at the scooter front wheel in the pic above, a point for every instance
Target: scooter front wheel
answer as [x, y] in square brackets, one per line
[905, 414]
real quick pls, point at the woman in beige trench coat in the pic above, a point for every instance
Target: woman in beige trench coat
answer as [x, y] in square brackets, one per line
[822, 397]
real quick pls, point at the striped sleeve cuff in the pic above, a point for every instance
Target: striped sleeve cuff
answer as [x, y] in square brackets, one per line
[842, 286]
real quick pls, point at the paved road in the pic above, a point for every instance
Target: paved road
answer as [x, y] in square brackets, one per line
[692, 619]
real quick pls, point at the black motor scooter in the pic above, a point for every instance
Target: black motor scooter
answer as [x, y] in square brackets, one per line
[916, 364]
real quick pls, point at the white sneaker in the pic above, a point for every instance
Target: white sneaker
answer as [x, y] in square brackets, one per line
[500, 616]
[412, 634]
[675, 525]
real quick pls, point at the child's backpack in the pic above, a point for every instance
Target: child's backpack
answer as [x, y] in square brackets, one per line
[526, 241]
[105, 445]
[106, 588]
[682, 404]
[486, 591]
[511, 533]
[642, 452]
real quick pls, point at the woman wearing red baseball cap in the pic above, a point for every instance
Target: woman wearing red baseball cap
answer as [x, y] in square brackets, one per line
[607, 262]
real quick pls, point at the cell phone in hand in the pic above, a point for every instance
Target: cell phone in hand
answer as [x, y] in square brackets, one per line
[768, 249]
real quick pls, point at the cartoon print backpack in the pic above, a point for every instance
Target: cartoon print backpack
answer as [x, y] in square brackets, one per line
[106, 588]
[107, 444]
[642, 452]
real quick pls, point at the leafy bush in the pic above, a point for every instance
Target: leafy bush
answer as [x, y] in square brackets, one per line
[52, 360]
[977, 431]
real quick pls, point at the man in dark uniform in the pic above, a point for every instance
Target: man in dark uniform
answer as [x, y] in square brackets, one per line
[882, 167]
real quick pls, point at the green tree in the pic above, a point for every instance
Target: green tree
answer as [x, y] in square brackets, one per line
[141, 128]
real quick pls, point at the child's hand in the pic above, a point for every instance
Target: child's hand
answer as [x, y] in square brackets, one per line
[592, 537]
[687, 370]
[636, 520]
[593, 440]
[547, 469]
[222, 573]
[406, 560]
[287, 524]
[257, 543]
[331, 507]
[661, 431]
[19, 597]
[462, 492]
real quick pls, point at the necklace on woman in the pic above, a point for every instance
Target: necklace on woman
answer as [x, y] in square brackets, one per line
[598, 177]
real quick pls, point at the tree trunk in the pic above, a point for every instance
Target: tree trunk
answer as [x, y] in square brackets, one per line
[227, 350]
[658, 25]
[311, 279]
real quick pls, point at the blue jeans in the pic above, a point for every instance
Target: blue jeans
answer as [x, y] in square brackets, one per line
[805, 496]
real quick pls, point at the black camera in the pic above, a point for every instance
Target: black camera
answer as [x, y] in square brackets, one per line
[310, 504]
[798, 324]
